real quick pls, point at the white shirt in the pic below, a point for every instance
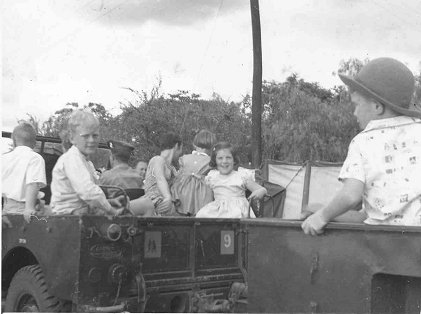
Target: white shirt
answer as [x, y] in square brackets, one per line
[386, 157]
[20, 167]
[74, 185]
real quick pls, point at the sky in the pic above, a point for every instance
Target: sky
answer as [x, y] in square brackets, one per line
[55, 52]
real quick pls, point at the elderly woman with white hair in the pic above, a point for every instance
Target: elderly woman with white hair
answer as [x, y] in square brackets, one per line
[74, 187]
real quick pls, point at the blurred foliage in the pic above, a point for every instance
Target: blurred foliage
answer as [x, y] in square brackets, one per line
[300, 120]
[57, 123]
[184, 113]
[303, 121]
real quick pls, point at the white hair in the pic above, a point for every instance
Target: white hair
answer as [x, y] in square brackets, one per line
[81, 117]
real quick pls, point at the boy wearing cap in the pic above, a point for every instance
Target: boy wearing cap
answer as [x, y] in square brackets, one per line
[23, 172]
[383, 165]
[121, 174]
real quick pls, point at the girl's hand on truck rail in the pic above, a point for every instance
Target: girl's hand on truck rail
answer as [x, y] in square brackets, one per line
[257, 194]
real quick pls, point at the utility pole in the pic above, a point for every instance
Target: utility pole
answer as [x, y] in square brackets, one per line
[256, 108]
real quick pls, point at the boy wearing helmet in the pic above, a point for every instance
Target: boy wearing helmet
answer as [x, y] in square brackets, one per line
[383, 165]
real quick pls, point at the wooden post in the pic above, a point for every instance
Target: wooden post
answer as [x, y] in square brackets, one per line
[256, 108]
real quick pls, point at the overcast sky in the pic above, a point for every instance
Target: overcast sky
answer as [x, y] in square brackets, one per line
[56, 51]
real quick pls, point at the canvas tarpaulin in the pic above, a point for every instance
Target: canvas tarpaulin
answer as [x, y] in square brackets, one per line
[313, 183]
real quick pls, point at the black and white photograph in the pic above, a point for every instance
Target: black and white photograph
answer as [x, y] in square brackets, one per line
[212, 156]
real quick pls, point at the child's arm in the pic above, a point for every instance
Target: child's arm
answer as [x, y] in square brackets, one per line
[257, 191]
[31, 196]
[80, 179]
[347, 198]
[161, 182]
[35, 179]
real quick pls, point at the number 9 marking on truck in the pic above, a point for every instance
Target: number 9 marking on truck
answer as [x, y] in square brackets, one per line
[227, 242]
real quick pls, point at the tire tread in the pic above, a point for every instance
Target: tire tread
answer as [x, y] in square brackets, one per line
[35, 274]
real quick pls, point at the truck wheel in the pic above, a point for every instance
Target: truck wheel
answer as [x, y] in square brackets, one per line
[28, 292]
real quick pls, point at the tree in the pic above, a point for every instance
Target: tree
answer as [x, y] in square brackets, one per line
[300, 121]
[184, 113]
[352, 66]
[303, 121]
[34, 121]
[58, 122]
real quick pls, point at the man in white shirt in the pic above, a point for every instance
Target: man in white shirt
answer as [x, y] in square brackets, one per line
[383, 166]
[23, 172]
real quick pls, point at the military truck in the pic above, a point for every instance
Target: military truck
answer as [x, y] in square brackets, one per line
[101, 264]
[125, 263]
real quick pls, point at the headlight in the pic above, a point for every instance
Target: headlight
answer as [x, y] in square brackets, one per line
[114, 232]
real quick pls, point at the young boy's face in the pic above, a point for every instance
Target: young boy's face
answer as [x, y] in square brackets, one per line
[141, 169]
[365, 110]
[86, 138]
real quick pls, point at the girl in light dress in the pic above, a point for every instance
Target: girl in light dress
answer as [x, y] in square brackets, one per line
[189, 191]
[229, 186]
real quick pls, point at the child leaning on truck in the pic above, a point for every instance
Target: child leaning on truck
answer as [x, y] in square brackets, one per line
[74, 187]
[23, 173]
[383, 165]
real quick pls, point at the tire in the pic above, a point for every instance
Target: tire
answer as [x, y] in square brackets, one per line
[28, 292]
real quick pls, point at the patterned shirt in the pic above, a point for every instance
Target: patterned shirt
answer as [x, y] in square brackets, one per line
[386, 157]
[74, 185]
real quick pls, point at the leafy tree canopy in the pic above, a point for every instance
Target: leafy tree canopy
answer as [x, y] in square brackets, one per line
[300, 121]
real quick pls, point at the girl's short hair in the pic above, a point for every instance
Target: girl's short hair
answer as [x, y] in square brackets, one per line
[224, 145]
[204, 139]
[168, 140]
[81, 117]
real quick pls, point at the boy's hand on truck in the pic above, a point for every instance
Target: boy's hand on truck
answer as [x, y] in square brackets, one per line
[314, 224]
[6, 222]
[119, 201]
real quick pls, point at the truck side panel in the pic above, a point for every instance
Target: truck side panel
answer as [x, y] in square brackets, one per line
[55, 244]
[350, 268]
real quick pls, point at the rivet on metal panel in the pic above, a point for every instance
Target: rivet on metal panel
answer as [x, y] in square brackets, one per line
[314, 267]
[313, 307]
[132, 231]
